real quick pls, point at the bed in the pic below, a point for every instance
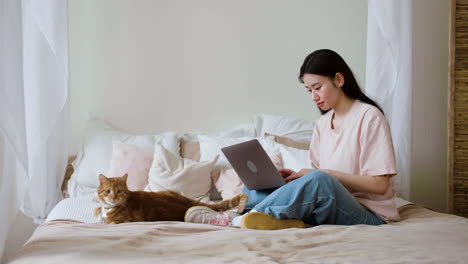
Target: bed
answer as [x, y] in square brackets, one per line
[423, 236]
[72, 234]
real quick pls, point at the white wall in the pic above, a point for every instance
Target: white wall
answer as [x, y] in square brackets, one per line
[429, 113]
[152, 66]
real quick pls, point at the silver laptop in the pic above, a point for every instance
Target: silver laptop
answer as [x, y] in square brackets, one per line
[253, 165]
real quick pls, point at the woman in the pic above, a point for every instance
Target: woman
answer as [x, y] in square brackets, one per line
[352, 159]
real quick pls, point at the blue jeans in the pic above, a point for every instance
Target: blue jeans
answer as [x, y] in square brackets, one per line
[315, 198]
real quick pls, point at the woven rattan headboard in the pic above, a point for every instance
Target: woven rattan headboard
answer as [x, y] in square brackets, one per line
[458, 109]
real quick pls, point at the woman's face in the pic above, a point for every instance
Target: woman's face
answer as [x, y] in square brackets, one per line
[324, 92]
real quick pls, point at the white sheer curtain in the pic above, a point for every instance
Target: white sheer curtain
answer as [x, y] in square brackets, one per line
[388, 75]
[33, 107]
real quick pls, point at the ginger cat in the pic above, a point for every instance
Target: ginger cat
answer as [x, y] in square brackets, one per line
[119, 205]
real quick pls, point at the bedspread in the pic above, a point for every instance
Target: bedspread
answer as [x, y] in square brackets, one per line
[423, 236]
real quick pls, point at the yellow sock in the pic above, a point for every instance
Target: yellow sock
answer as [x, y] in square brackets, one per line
[263, 221]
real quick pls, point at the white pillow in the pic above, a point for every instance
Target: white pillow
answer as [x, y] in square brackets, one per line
[295, 159]
[244, 130]
[185, 176]
[291, 127]
[210, 147]
[96, 153]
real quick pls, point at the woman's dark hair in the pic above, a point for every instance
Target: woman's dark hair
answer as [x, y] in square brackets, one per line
[327, 63]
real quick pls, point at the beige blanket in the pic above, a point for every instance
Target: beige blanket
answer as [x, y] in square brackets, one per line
[423, 236]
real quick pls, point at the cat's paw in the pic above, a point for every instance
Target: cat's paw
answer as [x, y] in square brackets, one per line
[242, 202]
[97, 211]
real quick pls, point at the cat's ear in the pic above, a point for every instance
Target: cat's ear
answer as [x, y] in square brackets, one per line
[125, 177]
[102, 178]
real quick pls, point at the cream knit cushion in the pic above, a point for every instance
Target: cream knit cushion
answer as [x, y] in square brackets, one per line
[185, 176]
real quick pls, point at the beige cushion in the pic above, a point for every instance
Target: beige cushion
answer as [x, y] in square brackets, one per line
[185, 176]
[190, 149]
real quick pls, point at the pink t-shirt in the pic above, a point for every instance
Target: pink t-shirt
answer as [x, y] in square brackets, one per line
[361, 145]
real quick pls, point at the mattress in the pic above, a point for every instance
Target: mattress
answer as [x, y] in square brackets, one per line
[423, 236]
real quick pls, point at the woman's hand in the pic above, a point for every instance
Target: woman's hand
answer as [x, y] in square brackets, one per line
[290, 175]
[286, 172]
